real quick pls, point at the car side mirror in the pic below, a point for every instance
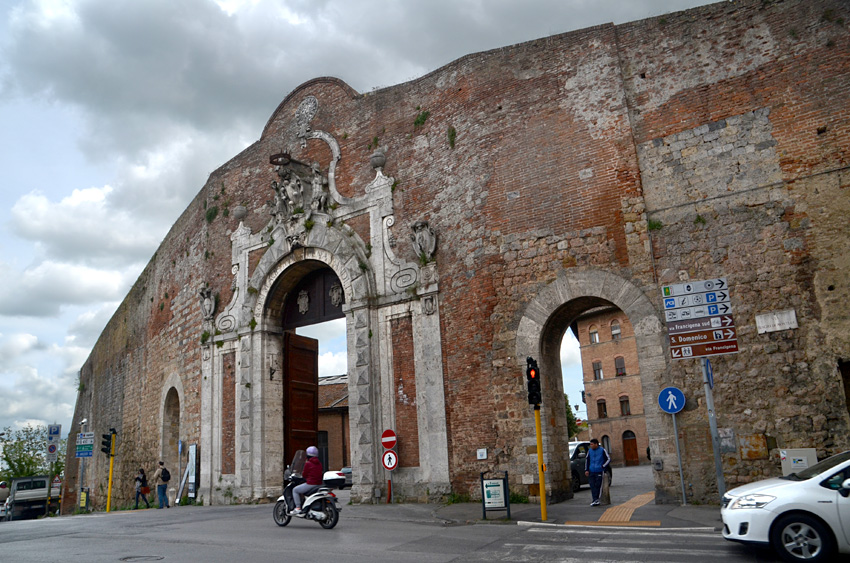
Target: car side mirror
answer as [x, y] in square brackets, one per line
[845, 488]
[582, 455]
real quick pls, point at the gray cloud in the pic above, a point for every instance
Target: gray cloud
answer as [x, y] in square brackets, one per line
[44, 289]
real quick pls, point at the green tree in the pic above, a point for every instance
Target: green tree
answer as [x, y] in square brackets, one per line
[572, 425]
[25, 453]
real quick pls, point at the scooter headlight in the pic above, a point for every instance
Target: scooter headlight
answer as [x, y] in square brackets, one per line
[751, 501]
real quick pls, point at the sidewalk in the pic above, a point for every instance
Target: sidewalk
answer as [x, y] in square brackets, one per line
[632, 504]
[628, 508]
[639, 510]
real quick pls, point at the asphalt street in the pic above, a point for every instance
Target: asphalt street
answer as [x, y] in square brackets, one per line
[394, 532]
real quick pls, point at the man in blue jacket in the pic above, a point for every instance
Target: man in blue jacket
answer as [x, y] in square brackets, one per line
[594, 465]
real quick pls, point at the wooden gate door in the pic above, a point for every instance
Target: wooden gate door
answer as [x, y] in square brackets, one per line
[300, 394]
[630, 450]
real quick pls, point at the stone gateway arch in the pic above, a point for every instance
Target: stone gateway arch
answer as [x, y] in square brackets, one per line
[463, 221]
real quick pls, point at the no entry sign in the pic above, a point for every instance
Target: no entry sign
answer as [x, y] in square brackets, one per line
[388, 439]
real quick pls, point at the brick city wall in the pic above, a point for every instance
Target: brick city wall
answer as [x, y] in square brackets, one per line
[705, 143]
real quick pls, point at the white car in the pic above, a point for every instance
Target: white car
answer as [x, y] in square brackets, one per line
[805, 516]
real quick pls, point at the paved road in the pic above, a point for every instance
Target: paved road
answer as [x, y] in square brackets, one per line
[568, 544]
[397, 534]
[392, 533]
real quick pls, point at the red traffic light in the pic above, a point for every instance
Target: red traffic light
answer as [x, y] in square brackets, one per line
[533, 376]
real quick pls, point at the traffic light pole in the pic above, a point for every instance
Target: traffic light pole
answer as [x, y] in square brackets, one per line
[108, 448]
[541, 468]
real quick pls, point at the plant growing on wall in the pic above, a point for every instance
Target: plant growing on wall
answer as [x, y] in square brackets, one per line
[653, 225]
[452, 135]
[421, 118]
[212, 213]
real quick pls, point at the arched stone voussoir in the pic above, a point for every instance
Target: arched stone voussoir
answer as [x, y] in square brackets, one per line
[593, 287]
[528, 338]
[325, 245]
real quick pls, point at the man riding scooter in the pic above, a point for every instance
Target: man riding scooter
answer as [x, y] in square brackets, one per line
[312, 475]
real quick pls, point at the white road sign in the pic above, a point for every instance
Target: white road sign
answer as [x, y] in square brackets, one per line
[717, 284]
[85, 438]
[687, 313]
[390, 460]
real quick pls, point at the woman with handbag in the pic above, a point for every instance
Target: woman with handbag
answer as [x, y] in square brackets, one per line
[142, 488]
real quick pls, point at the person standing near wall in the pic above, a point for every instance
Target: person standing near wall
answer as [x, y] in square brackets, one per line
[142, 488]
[161, 479]
[594, 466]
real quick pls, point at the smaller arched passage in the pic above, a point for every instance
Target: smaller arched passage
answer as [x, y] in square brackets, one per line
[170, 430]
[541, 329]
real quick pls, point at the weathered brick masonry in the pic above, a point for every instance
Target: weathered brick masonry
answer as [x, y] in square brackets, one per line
[539, 168]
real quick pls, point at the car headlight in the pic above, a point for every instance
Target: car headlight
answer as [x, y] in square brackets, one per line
[751, 501]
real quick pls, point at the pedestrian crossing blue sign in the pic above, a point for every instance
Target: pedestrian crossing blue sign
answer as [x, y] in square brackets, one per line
[671, 400]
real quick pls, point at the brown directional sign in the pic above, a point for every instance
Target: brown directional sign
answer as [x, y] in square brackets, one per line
[701, 350]
[702, 337]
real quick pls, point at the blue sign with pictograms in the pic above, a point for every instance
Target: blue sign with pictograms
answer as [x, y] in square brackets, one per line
[671, 400]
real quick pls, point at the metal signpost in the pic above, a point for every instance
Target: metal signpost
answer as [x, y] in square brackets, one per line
[54, 433]
[700, 325]
[672, 400]
[390, 459]
[82, 440]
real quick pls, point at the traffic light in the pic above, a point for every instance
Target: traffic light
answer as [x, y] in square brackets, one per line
[532, 374]
[106, 442]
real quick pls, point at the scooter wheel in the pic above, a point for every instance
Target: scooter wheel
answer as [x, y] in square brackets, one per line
[281, 518]
[331, 515]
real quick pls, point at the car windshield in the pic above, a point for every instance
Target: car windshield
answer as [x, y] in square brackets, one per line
[819, 468]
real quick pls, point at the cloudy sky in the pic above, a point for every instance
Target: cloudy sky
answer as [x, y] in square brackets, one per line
[114, 112]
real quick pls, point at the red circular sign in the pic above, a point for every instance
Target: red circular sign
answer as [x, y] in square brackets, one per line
[390, 460]
[388, 439]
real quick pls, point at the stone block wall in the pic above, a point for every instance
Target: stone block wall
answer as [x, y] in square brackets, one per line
[706, 143]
